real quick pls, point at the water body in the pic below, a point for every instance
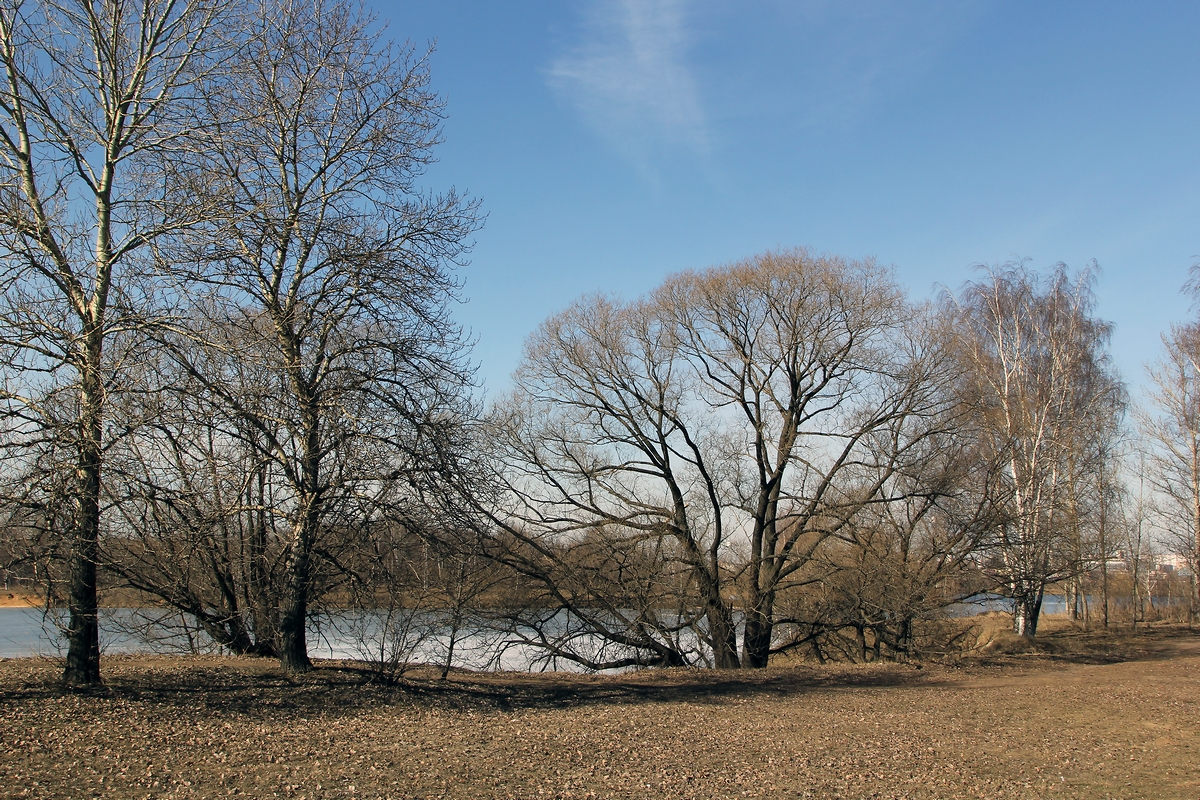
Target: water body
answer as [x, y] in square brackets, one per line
[26, 632]
[1052, 604]
[419, 638]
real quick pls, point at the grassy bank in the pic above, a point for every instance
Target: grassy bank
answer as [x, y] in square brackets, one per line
[1083, 716]
[18, 599]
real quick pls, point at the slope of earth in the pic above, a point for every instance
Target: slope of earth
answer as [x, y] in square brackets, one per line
[1085, 717]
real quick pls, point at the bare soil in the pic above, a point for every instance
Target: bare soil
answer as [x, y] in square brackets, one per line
[1080, 716]
[17, 599]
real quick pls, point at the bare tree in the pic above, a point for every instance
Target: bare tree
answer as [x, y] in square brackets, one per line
[1038, 376]
[1109, 513]
[333, 273]
[702, 443]
[1136, 548]
[93, 107]
[1091, 495]
[195, 511]
[887, 577]
[1171, 428]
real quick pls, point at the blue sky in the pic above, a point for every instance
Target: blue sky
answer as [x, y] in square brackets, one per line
[614, 142]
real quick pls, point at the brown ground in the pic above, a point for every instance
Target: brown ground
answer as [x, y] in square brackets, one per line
[1092, 718]
[16, 599]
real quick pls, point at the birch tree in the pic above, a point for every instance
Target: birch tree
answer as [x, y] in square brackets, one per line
[1171, 426]
[94, 108]
[1037, 374]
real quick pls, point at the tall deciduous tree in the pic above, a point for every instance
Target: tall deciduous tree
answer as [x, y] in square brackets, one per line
[1172, 430]
[332, 272]
[194, 500]
[692, 450]
[1037, 374]
[94, 106]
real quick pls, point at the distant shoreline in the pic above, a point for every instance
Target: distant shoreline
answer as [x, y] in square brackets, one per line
[12, 599]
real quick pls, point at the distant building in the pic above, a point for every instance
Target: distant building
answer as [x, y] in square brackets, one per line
[1174, 563]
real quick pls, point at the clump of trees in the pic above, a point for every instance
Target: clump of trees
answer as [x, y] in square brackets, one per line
[1171, 432]
[785, 453]
[225, 333]
[230, 380]
[1047, 404]
[674, 471]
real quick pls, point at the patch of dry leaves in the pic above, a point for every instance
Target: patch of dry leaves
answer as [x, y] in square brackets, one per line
[1021, 726]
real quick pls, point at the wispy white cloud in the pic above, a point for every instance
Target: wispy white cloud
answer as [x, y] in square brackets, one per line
[629, 77]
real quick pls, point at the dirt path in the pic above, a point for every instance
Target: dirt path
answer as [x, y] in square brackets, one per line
[1015, 727]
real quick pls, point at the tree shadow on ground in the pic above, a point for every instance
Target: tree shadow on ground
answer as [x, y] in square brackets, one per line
[258, 689]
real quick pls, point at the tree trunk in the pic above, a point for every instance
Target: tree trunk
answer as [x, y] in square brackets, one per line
[1194, 594]
[293, 640]
[451, 641]
[906, 639]
[723, 634]
[1104, 587]
[1195, 588]
[756, 641]
[1027, 608]
[293, 650]
[1103, 530]
[83, 633]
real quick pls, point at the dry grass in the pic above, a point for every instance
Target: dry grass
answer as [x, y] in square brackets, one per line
[1081, 716]
[16, 599]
